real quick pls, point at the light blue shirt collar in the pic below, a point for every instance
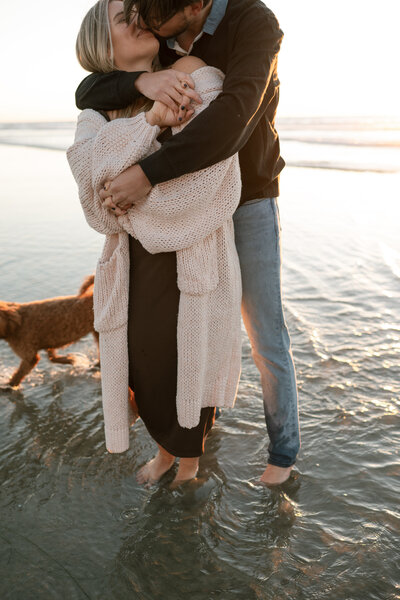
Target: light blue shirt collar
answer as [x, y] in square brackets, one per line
[215, 17]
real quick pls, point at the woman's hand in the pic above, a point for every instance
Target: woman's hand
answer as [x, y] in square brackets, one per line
[162, 115]
[107, 201]
[126, 190]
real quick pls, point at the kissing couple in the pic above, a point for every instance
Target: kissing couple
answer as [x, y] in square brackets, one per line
[177, 162]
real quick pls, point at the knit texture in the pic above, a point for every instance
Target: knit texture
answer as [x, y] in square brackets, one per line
[191, 215]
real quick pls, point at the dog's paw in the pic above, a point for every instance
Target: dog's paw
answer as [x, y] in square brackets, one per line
[7, 388]
[94, 367]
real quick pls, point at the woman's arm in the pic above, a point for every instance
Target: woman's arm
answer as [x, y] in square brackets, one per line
[79, 157]
[177, 214]
[101, 151]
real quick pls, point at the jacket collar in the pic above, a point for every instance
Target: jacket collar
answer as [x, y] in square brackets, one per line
[215, 17]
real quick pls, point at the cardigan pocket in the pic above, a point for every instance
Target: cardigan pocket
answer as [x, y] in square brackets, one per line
[111, 284]
[197, 267]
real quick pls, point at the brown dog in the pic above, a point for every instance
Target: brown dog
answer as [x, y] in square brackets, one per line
[46, 325]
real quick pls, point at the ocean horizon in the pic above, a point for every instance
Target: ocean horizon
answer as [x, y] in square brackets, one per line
[342, 143]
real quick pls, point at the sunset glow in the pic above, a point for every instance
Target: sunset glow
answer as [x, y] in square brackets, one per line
[336, 61]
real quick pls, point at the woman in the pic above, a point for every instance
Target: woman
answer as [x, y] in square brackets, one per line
[168, 281]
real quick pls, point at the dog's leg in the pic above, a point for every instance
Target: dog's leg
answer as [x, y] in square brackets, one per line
[24, 368]
[96, 337]
[56, 358]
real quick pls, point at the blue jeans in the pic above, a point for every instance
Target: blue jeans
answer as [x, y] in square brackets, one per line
[257, 236]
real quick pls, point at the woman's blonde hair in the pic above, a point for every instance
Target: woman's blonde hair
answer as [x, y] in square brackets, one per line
[95, 53]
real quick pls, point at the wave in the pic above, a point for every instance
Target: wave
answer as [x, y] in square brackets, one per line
[342, 141]
[304, 164]
[26, 144]
[344, 144]
[340, 167]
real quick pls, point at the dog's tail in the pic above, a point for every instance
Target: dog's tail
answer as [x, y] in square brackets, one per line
[88, 281]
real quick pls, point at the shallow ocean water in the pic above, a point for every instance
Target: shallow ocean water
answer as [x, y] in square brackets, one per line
[75, 524]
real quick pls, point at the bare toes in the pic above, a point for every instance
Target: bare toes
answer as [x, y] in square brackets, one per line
[143, 475]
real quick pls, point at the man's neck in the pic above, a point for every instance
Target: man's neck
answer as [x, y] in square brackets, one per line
[186, 39]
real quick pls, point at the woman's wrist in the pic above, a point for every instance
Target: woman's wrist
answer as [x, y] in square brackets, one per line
[151, 118]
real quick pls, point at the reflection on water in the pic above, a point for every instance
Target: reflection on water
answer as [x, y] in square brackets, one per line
[74, 523]
[355, 144]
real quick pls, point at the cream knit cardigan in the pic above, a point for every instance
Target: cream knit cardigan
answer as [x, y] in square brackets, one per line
[191, 215]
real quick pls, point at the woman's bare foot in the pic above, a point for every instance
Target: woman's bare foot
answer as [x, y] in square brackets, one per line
[188, 468]
[156, 467]
[274, 475]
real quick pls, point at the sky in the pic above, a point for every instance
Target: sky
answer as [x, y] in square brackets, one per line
[338, 58]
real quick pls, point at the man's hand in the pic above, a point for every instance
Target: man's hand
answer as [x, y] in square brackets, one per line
[130, 187]
[169, 87]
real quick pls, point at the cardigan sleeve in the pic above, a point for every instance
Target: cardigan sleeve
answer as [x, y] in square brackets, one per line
[177, 214]
[102, 150]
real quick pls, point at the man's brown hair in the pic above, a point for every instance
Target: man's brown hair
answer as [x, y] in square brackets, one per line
[156, 12]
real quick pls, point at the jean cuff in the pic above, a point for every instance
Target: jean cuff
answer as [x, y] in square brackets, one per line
[279, 464]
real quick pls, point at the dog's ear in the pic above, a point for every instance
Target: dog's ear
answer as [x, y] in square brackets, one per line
[10, 319]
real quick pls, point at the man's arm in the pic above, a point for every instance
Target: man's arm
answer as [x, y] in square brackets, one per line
[107, 91]
[118, 89]
[225, 126]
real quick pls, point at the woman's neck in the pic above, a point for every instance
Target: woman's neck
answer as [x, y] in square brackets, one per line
[142, 65]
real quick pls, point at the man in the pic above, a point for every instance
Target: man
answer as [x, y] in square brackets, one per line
[242, 38]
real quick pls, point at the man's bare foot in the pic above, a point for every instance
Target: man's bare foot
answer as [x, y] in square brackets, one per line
[156, 467]
[274, 475]
[188, 468]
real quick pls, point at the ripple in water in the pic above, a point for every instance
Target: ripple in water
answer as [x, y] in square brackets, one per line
[74, 522]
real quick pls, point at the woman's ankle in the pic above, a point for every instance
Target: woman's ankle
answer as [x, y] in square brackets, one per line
[165, 455]
[188, 467]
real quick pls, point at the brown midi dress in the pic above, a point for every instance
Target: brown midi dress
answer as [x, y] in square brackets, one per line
[152, 342]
